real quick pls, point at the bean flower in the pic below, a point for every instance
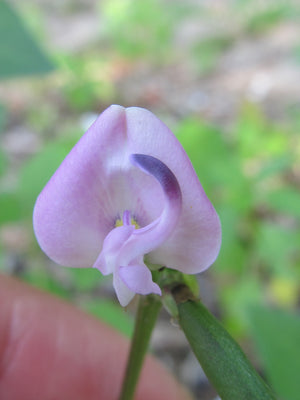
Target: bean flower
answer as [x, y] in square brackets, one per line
[124, 197]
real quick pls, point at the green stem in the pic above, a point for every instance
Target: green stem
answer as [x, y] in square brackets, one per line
[147, 313]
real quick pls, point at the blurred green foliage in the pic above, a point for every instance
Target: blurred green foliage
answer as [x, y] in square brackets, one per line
[250, 171]
[206, 52]
[261, 16]
[276, 334]
[244, 174]
[269, 16]
[142, 29]
[112, 314]
[37, 171]
[2, 117]
[248, 174]
[87, 80]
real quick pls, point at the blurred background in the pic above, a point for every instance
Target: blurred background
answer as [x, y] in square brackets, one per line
[224, 76]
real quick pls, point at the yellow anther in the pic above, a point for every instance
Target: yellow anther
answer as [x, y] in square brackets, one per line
[119, 222]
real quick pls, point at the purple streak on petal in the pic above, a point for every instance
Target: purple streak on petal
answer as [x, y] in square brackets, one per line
[195, 243]
[146, 239]
[138, 279]
[161, 172]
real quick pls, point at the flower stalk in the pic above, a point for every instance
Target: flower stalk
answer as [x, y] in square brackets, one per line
[147, 313]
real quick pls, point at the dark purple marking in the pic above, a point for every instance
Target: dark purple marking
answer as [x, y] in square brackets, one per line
[161, 172]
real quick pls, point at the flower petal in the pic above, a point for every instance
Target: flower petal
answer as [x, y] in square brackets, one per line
[124, 294]
[73, 214]
[106, 262]
[96, 183]
[195, 243]
[138, 279]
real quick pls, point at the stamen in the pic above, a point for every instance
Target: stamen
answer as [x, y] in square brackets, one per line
[126, 218]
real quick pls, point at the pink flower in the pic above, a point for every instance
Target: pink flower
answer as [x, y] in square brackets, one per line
[125, 193]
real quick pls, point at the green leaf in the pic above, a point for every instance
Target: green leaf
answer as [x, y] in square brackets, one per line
[221, 358]
[19, 53]
[2, 114]
[112, 314]
[276, 334]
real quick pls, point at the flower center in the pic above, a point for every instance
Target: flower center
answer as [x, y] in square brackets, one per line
[126, 244]
[126, 220]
